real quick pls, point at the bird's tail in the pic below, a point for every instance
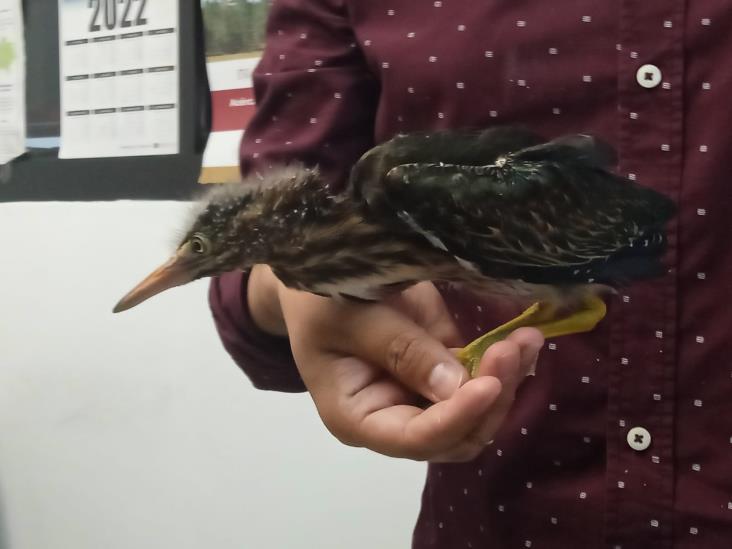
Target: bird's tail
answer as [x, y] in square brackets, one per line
[642, 260]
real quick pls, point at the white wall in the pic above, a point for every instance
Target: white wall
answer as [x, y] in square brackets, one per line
[136, 431]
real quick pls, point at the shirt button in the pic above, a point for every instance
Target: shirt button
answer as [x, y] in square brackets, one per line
[648, 76]
[639, 438]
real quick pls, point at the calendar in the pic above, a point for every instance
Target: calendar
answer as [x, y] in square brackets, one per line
[119, 76]
[12, 81]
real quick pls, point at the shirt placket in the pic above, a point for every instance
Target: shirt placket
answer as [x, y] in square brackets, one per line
[640, 468]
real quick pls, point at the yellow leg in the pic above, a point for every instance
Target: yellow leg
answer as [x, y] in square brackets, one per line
[580, 321]
[471, 354]
[540, 316]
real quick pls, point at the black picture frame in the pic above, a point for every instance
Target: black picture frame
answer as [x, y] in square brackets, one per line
[40, 175]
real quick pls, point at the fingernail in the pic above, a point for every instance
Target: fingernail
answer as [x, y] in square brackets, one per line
[532, 368]
[445, 378]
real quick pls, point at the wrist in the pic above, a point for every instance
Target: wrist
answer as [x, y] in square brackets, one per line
[264, 302]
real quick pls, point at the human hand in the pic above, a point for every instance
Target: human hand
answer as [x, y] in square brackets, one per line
[369, 369]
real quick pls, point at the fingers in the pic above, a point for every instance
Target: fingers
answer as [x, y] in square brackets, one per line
[510, 361]
[459, 428]
[380, 415]
[409, 340]
[410, 432]
[363, 406]
[365, 365]
[381, 335]
[415, 358]
[531, 341]
[513, 358]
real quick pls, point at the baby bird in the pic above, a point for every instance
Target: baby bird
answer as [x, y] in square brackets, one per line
[498, 211]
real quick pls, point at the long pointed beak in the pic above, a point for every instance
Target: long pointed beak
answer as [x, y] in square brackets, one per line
[175, 272]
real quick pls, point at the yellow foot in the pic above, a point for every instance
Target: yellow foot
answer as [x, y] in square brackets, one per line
[471, 354]
[540, 316]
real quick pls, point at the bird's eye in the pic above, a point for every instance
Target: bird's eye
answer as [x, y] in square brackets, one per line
[199, 244]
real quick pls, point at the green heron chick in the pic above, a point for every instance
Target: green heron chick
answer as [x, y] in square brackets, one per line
[498, 212]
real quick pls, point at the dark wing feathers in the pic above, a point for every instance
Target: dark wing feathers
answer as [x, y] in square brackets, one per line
[574, 148]
[546, 215]
[454, 147]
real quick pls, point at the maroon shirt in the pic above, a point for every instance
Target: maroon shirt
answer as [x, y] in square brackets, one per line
[340, 75]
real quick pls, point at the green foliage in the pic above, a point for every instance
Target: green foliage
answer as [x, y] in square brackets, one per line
[234, 26]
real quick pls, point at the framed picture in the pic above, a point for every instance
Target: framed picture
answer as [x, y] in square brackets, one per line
[41, 175]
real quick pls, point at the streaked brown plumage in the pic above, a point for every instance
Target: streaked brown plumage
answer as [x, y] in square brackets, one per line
[495, 210]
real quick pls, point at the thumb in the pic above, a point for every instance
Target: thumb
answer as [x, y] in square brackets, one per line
[387, 338]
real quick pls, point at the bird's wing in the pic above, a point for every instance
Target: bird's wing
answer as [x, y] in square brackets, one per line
[542, 216]
[461, 147]
[573, 148]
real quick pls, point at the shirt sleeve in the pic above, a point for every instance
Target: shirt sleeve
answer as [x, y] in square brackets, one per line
[264, 358]
[316, 101]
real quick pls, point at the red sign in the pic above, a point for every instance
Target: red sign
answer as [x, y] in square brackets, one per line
[232, 109]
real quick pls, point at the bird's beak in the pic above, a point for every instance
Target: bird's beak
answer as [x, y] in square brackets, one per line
[175, 272]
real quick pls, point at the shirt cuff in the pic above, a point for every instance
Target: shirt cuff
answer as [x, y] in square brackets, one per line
[266, 359]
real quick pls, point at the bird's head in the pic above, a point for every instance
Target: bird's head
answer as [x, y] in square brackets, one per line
[229, 231]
